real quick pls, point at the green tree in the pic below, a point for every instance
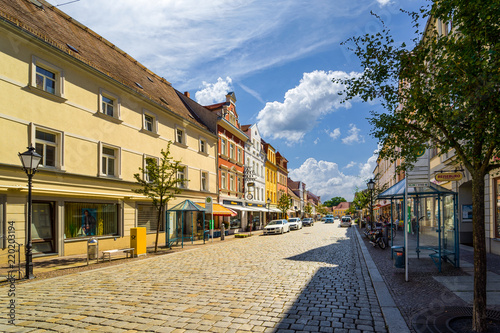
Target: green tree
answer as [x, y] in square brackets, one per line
[159, 182]
[334, 201]
[284, 203]
[322, 210]
[441, 93]
[308, 209]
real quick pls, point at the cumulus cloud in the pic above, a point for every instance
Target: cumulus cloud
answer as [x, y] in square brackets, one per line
[214, 92]
[354, 136]
[334, 134]
[324, 178]
[383, 3]
[302, 107]
[350, 165]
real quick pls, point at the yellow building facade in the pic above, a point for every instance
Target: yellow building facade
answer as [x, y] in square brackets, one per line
[95, 115]
[271, 169]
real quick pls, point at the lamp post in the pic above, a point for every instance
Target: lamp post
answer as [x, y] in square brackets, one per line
[268, 209]
[371, 186]
[30, 160]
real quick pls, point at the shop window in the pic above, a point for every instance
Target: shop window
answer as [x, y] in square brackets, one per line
[235, 221]
[90, 219]
[147, 216]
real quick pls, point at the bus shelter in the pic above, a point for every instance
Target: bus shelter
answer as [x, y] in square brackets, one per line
[180, 223]
[432, 220]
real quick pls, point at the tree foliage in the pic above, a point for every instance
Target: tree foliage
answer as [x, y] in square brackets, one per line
[284, 203]
[441, 93]
[334, 201]
[159, 182]
[308, 209]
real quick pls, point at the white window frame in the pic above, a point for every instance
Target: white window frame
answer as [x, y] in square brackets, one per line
[144, 164]
[183, 136]
[116, 105]
[232, 146]
[239, 155]
[183, 173]
[239, 185]
[57, 71]
[223, 180]
[154, 123]
[59, 163]
[231, 182]
[204, 174]
[223, 146]
[202, 146]
[117, 159]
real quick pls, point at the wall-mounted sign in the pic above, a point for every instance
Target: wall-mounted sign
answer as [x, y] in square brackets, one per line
[448, 176]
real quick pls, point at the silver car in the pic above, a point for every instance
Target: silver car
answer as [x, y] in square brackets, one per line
[277, 227]
[295, 223]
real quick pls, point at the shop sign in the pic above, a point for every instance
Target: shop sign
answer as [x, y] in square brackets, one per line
[449, 176]
[208, 204]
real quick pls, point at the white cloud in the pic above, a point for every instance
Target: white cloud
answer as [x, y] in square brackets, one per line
[350, 165]
[315, 96]
[383, 3]
[214, 92]
[354, 136]
[190, 41]
[324, 178]
[316, 141]
[334, 134]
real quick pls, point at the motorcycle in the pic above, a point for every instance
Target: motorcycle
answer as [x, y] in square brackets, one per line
[376, 238]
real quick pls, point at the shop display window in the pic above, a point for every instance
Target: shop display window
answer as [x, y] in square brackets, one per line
[90, 219]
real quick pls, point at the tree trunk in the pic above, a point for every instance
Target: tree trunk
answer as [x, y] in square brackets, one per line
[479, 239]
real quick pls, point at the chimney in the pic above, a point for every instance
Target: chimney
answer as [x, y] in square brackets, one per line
[186, 93]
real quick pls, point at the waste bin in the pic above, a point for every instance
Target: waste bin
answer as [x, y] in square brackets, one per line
[92, 249]
[399, 256]
[138, 240]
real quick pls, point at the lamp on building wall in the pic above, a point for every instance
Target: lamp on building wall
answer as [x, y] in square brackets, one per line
[30, 160]
[371, 187]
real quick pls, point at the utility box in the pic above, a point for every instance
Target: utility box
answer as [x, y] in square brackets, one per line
[399, 256]
[138, 240]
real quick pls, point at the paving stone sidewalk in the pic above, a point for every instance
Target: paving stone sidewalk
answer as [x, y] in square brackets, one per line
[310, 280]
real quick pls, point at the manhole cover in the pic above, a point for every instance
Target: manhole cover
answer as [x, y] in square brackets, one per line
[451, 319]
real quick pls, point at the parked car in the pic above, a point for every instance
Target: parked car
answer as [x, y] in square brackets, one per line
[295, 223]
[329, 220]
[346, 221]
[277, 227]
[308, 221]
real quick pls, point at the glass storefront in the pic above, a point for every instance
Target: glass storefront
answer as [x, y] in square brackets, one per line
[90, 219]
[42, 227]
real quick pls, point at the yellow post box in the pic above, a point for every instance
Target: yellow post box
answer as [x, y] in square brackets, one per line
[138, 240]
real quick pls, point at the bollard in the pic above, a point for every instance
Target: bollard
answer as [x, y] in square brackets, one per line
[222, 231]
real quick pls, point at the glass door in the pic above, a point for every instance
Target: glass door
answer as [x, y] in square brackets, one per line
[42, 228]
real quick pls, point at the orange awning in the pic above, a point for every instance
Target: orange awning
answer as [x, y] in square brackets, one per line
[219, 210]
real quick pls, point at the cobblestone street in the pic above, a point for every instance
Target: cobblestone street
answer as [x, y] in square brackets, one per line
[307, 280]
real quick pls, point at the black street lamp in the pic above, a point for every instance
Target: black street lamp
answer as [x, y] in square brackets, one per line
[268, 209]
[30, 160]
[371, 186]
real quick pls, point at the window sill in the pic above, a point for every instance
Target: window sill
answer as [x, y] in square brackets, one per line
[180, 144]
[50, 169]
[203, 153]
[106, 117]
[153, 134]
[43, 93]
[86, 238]
[109, 177]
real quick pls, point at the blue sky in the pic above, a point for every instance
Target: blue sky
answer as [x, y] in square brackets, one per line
[279, 58]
